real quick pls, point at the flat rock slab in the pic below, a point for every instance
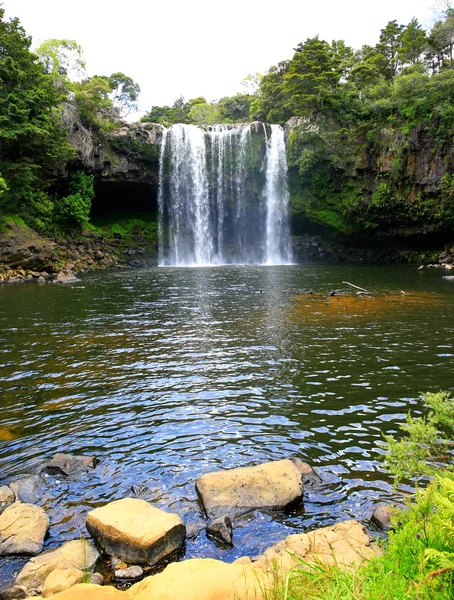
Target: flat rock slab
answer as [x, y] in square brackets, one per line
[78, 554]
[22, 529]
[136, 531]
[66, 465]
[345, 544]
[273, 486]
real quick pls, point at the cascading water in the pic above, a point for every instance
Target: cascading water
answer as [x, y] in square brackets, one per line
[278, 248]
[223, 196]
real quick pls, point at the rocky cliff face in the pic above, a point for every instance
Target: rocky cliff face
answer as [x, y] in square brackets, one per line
[381, 184]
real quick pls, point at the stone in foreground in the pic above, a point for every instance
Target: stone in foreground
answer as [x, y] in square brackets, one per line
[77, 554]
[135, 531]
[202, 579]
[221, 529]
[68, 464]
[345, 544]
[381, 517]
[273, 486]
[22, 529]
[60, 580]
[7, 497]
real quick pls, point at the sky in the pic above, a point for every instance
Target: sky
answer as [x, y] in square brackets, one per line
[203, 47]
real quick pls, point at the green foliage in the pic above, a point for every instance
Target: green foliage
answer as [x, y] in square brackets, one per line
[426, 445]
[74, 210]
[421, 544]
[204, 114]
[32, 142]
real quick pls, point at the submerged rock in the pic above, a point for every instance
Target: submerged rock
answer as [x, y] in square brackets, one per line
[22, 529]
[381, 517]
[273, 485]
[221, 529]
[78, 554]
[133, 572]
[135, 531]
[310, 477]
[28, 489]
[69, 464]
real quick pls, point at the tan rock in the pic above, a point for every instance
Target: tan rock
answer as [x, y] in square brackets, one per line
[79, 554]
[60, 580]
[202, 579]
[7, 497]
[345, 544]
[136, 531]
[89, 591]
[22, 529]
[273, 485]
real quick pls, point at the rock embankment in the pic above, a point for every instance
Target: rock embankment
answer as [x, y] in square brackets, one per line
[25, 256]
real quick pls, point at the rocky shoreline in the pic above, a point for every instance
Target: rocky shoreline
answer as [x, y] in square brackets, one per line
[136, 543]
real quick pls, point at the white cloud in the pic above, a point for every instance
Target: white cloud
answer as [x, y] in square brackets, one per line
[201, 47]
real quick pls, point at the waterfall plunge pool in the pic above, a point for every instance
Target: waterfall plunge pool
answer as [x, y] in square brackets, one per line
[167, 373]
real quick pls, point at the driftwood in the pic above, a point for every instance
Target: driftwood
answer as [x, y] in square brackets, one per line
[357, 287]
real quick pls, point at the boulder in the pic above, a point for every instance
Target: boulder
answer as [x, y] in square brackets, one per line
[61, 579]
[7, 497]
[22, 529]
[136, 531]
[273, 485]
[66, 277]
[221, 529]
[28, 489]
[66, 465]
[381, 517]
[345, 544]
[78, 554]
[202, 579]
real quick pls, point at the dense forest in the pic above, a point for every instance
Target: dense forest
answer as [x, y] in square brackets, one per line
[361, 122]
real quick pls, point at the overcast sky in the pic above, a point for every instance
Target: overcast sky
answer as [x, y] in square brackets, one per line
[203, 47]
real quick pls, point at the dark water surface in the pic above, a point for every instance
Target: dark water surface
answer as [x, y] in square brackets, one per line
[169, 373]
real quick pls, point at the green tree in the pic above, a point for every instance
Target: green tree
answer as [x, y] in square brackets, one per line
[390, 45]
[413, 43]
[32, 141]
[204, 114]
[74, 210]
[313, 77]
[63, 59]
[125, 93]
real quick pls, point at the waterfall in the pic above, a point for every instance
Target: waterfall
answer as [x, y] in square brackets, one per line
[223, 196]
[278, 248]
